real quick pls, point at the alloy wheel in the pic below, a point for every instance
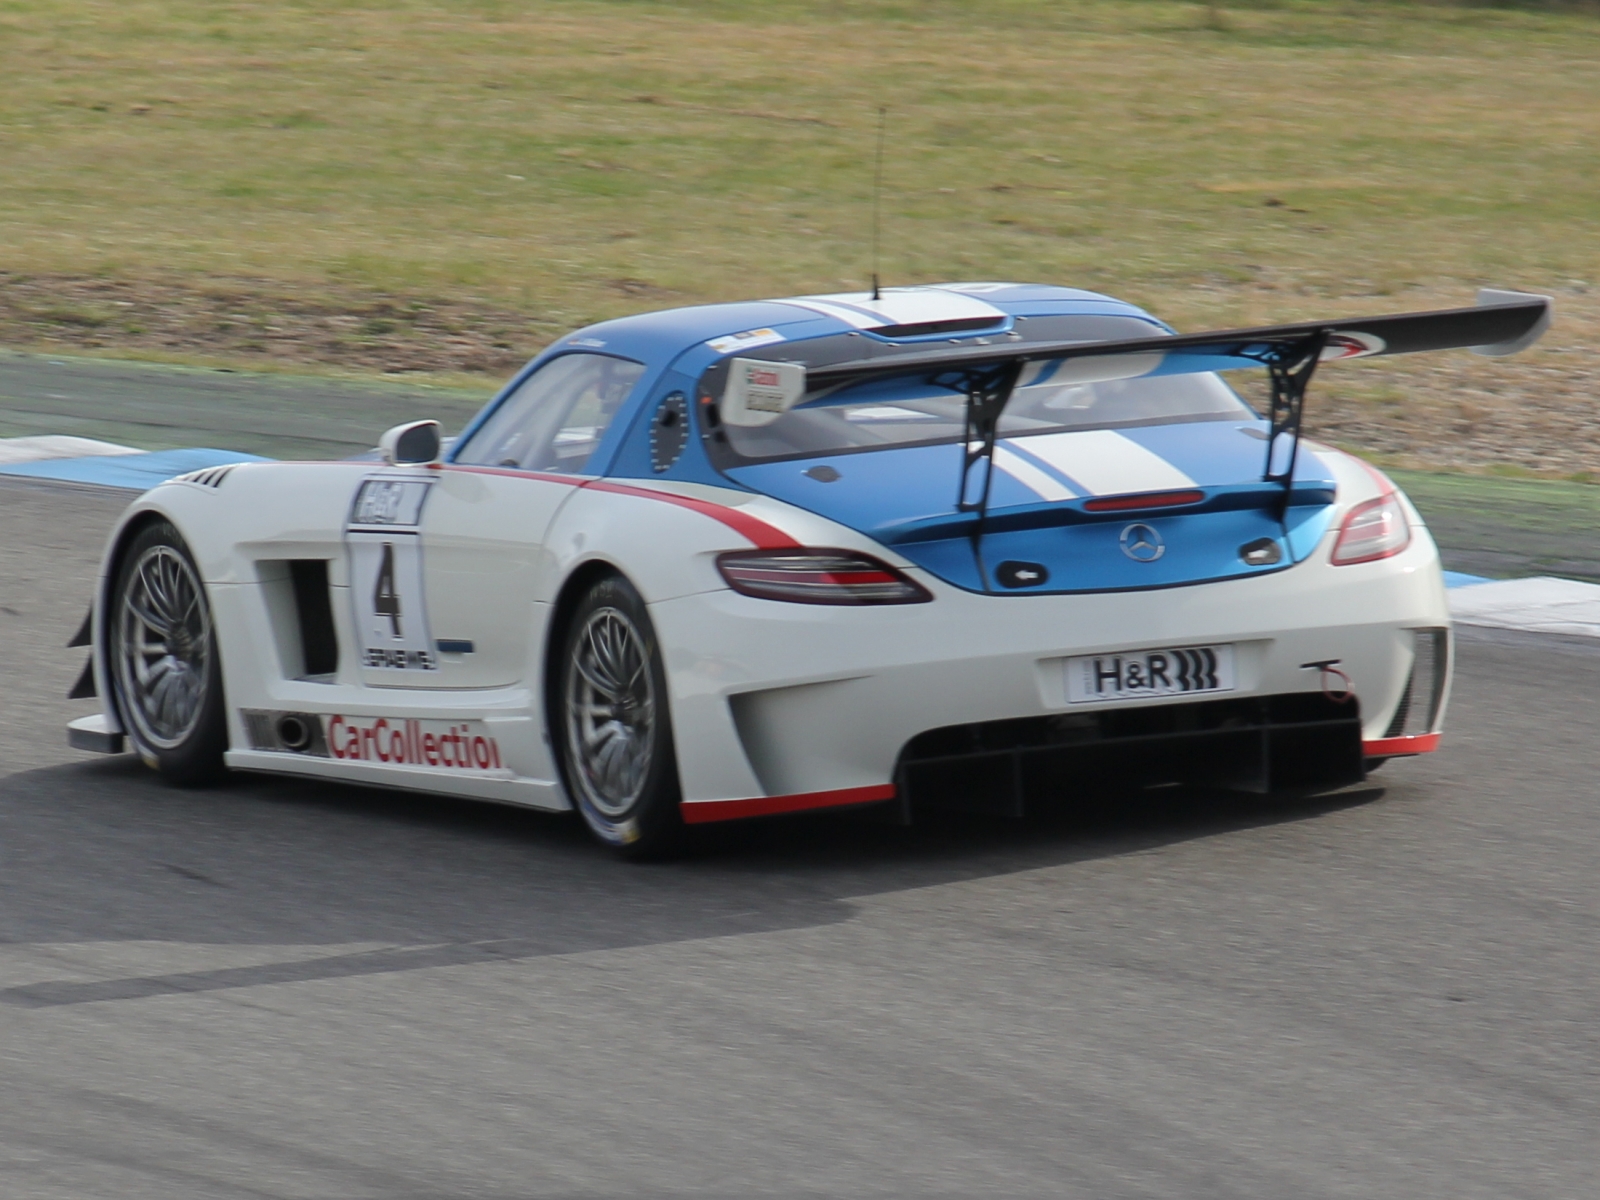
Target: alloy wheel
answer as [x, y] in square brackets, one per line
[610, 712]
[163, 647]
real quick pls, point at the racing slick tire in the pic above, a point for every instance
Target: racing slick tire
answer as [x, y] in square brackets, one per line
[613, 728]
[166, 676]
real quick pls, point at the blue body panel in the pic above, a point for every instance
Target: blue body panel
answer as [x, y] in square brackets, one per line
[905, 496]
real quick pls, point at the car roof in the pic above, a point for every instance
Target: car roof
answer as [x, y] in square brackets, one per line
[655, 336]
[685, 341]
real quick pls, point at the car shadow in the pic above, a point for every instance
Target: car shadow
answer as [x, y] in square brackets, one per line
[103, 851]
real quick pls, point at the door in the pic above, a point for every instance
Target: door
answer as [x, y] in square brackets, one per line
[486, 572]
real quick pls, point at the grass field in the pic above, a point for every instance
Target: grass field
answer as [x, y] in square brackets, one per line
[440, 187]
[1510, 527]
[1484, 525]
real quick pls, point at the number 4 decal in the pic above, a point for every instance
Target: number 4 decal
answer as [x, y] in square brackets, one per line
[385, 600]
[386, 589]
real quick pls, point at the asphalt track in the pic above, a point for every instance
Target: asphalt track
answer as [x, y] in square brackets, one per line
[161, 407]
[288, 990]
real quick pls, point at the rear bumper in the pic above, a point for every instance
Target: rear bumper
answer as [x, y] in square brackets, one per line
[1008, 768]
[1257, 744]
[1401, 747]
[784, 707]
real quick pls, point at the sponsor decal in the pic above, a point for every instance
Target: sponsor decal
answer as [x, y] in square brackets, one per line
[381, 659]
[1139, 675]
[748, 340]
[760, 391]
[389, 502]
[763, 389]
[1347, 343]
[408, 742]
[386, 592]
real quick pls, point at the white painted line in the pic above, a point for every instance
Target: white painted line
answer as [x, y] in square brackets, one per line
[49, 446]
[1104, 462]
[1538, 605]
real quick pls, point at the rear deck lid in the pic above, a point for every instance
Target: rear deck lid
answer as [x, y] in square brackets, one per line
[1143, 506]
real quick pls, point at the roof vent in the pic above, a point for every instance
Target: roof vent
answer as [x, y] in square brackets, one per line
[935, 328]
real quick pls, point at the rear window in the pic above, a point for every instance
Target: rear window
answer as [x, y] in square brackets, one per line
[906, 412]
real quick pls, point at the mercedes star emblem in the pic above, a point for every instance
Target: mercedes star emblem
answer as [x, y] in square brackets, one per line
[1142, 544]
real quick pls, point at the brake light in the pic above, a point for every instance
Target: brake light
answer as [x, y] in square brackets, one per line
[1374, 530]
[818, 577]
[1143, 500]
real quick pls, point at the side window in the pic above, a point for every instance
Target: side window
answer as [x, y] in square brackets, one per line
[555, 419]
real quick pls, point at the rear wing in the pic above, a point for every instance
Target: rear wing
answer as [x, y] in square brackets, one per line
[759, 391]
[1500, 323]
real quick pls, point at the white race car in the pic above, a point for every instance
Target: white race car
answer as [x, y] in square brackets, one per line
[962, 546]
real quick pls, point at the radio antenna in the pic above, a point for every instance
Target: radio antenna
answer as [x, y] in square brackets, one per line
[877, 199]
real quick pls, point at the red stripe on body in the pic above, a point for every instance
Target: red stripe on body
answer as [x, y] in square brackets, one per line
[1420, 743]
[698, 812]
[764, 536]
[760, 534]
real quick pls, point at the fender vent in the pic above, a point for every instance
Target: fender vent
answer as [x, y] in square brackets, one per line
[211, 477]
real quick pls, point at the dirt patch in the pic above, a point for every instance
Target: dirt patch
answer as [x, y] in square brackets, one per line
[1538, 412]
[260, 322]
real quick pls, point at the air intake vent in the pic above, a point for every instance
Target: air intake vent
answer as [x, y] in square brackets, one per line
[319, 644]
[1424, 695]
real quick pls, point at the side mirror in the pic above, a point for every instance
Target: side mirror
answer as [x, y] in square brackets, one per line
[415, 444]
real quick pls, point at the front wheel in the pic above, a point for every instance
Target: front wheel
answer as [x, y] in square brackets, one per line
[163, 659]
[613, 726]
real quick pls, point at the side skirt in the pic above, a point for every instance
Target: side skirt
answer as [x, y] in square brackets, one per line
[505, 788]
[700, 812]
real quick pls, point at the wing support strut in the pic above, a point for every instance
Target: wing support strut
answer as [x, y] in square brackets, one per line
[988, 392]
[1290, 366]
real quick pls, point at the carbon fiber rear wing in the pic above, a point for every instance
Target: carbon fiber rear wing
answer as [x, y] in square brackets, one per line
[1500, 323]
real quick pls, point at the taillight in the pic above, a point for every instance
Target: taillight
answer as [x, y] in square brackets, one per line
[1374, 530]
[818, 577]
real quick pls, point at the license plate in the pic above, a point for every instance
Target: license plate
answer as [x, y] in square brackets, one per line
[1135, 675]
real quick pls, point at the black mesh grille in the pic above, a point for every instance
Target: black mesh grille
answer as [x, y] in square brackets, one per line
[1254, 743]
[1418, 710]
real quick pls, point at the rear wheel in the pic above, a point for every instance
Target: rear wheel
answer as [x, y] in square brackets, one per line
[614, 730]
[163, 659]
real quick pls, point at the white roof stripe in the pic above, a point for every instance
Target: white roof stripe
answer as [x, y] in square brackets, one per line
[1104, 462]
[1046, 486]
[897, 306]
